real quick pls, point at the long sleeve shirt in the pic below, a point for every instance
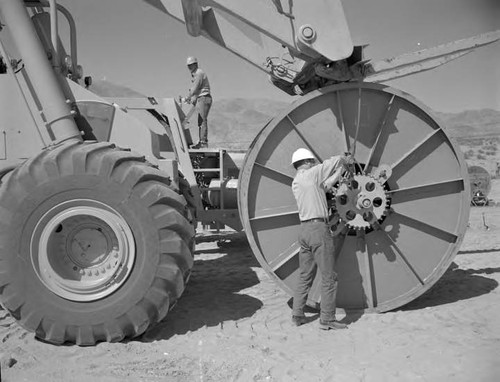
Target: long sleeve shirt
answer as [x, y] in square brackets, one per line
[200, 86]
[309, 189]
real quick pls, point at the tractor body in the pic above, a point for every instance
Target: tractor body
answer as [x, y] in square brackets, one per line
[100, 196]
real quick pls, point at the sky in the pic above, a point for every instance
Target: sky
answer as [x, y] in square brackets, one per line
[131, 43]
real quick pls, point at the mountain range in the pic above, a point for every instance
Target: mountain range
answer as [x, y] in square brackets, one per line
[234, 123]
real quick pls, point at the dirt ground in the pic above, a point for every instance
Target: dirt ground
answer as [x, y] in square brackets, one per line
[233, 324]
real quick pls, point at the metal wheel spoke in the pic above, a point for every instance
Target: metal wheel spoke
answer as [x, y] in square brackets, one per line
[379, 134]
[418, 146]
[403, 257]
[276, 174]
[342, 127]
[368, 282]
[358, 122]
[306, 142]
[428, 229]
[444, 187]
[276, 213]
[280, 265]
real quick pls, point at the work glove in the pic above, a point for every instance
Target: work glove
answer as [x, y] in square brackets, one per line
[184, 99]
[349, 159]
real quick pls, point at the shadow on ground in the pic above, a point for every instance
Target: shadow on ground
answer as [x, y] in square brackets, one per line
[455, 285]
[211, 296]
[473, 251]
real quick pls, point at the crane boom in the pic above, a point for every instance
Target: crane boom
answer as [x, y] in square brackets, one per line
[303, 46]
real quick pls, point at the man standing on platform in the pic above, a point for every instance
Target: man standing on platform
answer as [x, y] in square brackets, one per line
[199, 95]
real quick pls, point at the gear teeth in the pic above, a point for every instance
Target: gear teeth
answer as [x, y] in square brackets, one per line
[379, 212]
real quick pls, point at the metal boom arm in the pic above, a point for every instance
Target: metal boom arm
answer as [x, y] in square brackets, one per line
[303, 45]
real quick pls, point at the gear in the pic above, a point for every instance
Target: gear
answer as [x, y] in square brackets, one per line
[361, 202]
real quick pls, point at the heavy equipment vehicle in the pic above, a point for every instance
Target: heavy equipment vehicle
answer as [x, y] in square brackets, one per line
[480, 184]
[99, 196]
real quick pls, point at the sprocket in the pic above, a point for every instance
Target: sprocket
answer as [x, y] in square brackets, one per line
[361, 201]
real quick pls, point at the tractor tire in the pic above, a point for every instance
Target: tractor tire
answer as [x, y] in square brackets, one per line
[94, 244]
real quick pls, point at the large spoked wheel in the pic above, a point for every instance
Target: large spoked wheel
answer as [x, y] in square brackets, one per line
[404, 212]
[94, 244]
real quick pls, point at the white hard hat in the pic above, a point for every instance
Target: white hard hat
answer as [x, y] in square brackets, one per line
[301, 154]
[191, 60]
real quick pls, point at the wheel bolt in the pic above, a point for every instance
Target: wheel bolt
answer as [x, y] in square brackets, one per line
[343, 199]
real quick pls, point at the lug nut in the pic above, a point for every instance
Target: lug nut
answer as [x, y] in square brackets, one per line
[366, 203]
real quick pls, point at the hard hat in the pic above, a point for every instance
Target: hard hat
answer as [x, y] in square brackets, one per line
[191, 60]
[301, 154]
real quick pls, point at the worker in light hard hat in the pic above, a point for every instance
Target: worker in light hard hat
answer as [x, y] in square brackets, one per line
[200, 96]
[317, 246]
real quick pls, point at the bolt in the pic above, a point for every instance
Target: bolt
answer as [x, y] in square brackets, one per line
[343, 199]
[366, 203]
[350, 215]
[368, 216]
[308, 33]
[370, 186]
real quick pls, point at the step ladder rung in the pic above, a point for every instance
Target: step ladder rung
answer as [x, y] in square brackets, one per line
[206, 170]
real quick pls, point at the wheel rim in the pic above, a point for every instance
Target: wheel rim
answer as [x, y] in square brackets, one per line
[405, 228]
[82, 250]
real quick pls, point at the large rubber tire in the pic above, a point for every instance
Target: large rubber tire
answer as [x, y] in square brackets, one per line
[94, 244]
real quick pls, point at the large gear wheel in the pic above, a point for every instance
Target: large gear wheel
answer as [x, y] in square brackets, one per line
[400, 237]
[361, 202]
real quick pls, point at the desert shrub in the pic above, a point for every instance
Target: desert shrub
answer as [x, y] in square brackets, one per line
[469, 154]
[476, 141]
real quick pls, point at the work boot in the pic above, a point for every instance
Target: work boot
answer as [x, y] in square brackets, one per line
[331, 324]
[299, 320]
[200, 145]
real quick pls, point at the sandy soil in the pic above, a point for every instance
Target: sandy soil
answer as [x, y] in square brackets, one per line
[233, 324]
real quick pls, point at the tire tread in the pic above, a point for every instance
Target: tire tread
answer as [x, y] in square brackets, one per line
[166, 207]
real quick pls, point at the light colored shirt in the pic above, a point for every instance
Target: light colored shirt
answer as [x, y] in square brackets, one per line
[309, 189]
[201, 86]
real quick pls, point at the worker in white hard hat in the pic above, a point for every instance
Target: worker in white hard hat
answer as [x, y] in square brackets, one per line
[317, 246]
[200, 96]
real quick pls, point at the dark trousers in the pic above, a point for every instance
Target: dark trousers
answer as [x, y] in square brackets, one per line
[203, 105]
[317, 250]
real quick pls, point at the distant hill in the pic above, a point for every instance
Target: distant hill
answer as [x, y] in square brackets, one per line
[472, 123]
[105, 88]
[234, 123]
[477, 132]
[237, 121]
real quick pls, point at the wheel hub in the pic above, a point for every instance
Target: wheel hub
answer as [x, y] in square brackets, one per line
[361, 202]
[82, 250]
